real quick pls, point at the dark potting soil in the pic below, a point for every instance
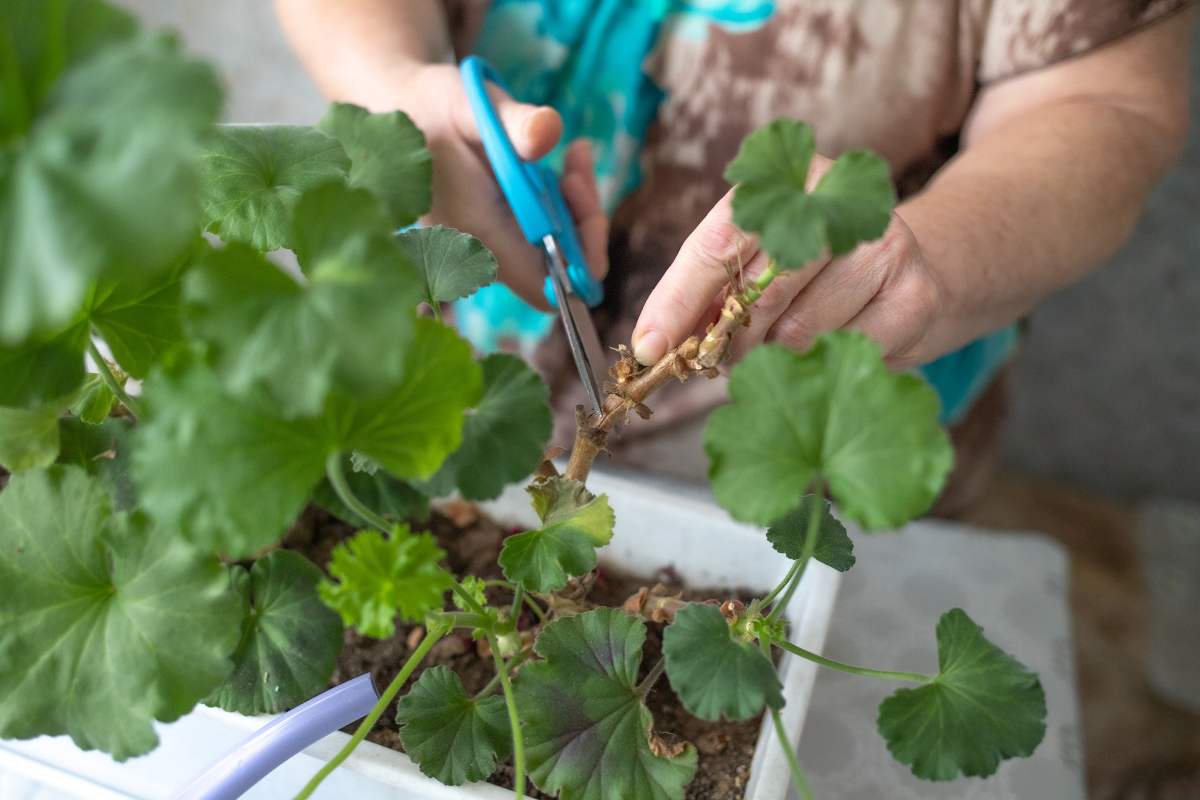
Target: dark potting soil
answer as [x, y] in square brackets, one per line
[472, 543]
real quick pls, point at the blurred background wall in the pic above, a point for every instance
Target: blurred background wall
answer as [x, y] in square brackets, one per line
[1107, 390]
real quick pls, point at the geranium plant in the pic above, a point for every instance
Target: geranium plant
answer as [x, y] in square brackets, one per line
[140, 567]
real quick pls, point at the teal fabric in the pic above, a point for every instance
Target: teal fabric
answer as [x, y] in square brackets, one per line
[961, 376]
[585, 58]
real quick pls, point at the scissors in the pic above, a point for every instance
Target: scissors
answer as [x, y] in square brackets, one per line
[532, 192]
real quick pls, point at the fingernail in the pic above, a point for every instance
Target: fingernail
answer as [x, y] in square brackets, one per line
[650, 347]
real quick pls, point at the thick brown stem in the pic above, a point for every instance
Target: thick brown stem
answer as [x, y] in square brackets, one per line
[635, 383]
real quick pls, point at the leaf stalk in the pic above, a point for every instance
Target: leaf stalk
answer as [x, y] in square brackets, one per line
[756, 289]
[789, 752]
[797, 650]
[341, 487]
[810, 547]
[110, 380]
[435, 632]
[514, 719]
[652, 677]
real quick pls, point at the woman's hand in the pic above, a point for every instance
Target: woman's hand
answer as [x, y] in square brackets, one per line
[465, 193]
[883, 288]
[385, 55]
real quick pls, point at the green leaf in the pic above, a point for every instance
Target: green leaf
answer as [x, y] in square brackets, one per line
[39, 39]
[837, 413]
[982, 707]
[475, 588]
[43, 370]
[103, 451]
[833, 543]
[412, 429]
[28, 437]
[851, 203]
[505, 433]
[232, 473]
[105, 624]
[380, 578]
[255, 174]
[229, 474]
[290, 640]
[381, 492]
[575, 523]
[715, 673]
[105, 177]
[454, 264]
[453, 737]
[347, 326]
[94, 401]
[141, 318]
[388, 157]
[587, 732]
[41, 379]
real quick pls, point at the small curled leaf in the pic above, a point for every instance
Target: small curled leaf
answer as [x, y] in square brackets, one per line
[576, 523]
[378, 578]
[833, 545]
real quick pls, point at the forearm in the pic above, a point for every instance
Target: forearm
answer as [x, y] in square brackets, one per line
[360, 50]
[1031, 207]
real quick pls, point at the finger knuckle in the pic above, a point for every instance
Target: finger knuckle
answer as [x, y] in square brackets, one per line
[717, 243]
[793, 330]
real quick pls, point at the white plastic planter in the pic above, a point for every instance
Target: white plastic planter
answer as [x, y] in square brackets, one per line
[655, 528]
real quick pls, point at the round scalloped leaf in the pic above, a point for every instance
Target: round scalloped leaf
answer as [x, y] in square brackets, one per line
[588, 735]
[141, 318]
[232, 473]
[106, 624]
[575, 523]
[379, 578]
[715, 673]
[72, 29]
[454, 264]
[453, 737]
[837, 413]
[105, 177]
[412, 429]
[505, 433]
[101, 450]
[833, 545]
[255, 174]
[28, 437]
[346, 326]
[43, 370]
[982, 707]
[290, 640]
[388, 157]
[851, 203]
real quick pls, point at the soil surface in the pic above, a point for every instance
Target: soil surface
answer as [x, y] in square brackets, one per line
[472, 543]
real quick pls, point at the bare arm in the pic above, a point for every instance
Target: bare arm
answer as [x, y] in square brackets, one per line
[1055, 168]
[359, 50]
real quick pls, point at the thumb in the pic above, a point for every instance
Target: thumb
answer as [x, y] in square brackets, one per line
[534, 130]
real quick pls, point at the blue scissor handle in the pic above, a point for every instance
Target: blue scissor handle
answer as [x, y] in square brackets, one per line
[531, 189]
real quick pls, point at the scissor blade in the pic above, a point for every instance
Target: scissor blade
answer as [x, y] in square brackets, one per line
[582, 337]
[593, 352]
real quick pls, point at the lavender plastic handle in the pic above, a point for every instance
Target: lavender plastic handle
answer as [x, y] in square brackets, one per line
[282, 738]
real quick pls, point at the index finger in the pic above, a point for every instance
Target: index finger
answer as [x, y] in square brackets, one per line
[690, 284]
